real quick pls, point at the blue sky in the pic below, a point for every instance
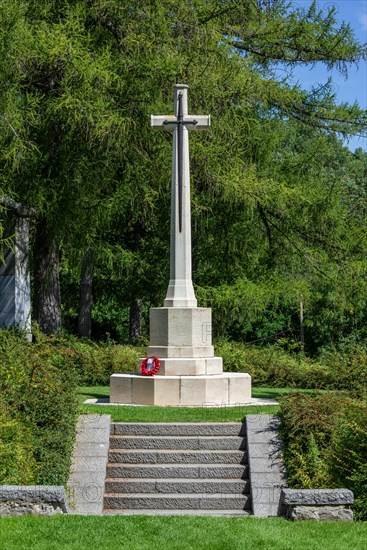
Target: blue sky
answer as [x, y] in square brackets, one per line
[355, 87]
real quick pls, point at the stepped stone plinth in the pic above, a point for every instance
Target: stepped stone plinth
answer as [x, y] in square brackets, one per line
[190, 374]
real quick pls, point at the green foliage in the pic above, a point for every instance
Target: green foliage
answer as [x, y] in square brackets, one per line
[39, 396]
[17, 465]
[273, 366]
[80, 80]
[92, 362]
[38, 405]
[278, 367]
[348, 454]
[350, 368]
[326, 444]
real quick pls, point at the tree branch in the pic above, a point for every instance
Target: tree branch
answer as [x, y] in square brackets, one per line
[21, 210]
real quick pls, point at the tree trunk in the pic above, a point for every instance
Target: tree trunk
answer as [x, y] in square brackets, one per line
[135, 320]
[86, 295]
[302, 323]
[47, 298]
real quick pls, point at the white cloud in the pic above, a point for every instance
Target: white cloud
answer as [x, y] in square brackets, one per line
[363, 20]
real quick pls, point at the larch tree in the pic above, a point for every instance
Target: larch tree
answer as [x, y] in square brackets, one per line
[79, 81]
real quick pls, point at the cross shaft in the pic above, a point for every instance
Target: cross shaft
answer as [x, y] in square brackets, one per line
[180, 290]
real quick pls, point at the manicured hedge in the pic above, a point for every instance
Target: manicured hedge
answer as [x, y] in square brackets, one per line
[272, 366]
[93, 362]
[325, 441]
[38, 409]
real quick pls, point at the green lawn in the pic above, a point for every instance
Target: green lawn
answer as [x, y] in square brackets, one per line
[166, 414]
[179, 414]
[181, 533]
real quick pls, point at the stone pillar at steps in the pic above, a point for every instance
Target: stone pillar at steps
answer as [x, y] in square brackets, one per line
[180, 332]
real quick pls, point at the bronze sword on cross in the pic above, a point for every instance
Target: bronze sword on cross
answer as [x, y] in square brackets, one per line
[179, 122]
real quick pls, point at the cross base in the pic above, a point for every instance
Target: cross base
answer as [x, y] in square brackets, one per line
[227, 389]
[180, 293]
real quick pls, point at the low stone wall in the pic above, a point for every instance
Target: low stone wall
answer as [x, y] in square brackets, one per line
[36, 500]
[317, 504]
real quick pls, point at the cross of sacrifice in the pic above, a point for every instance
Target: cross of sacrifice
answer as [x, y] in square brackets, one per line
[180, 290]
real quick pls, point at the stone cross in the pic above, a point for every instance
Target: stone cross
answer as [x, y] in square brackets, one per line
[180, 291]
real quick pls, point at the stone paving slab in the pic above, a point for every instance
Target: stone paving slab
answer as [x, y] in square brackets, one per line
[258, 401]
[267, 471]
[150, 512]
[88, 471]
[169, 486]
[178, 501]
[175, 457]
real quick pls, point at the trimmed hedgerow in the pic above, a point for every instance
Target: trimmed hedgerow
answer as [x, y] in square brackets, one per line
[17, 464]
[38, 398]
[38, 403]
[272, 366]
[325, 444]
[93, 362]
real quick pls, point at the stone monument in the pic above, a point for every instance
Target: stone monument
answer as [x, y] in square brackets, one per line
[180, 332]
[15, 288]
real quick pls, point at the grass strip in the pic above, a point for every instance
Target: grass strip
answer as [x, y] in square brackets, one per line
[177, 414]
[181, 533]
[221, 413]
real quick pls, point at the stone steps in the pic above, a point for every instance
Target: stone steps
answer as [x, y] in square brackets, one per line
[209, 501]
[192, 471]
[144, 456]
[167, 485]
[176, 512]
[179, 429]
[227, 442]
[186, 468]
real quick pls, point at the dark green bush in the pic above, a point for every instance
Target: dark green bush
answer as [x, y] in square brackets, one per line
[348, 453]
[39, 396]
[17, 464]
[273, 366]
[38, 387]
[325, 444]
[349, 369]
[94, 362]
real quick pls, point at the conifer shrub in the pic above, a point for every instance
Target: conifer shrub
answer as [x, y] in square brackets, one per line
[39, 397]
[273, 366]
[348, 369]
[94, 362]
[325, 444]
[17, 463]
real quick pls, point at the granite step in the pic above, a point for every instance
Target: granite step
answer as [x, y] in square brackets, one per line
[176, 457]
[227, 442]
[190, 501]
[179, 429]
[174, 485]
[178, 471]
[176, 512]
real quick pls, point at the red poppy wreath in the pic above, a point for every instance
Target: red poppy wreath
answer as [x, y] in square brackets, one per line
[150, 366]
